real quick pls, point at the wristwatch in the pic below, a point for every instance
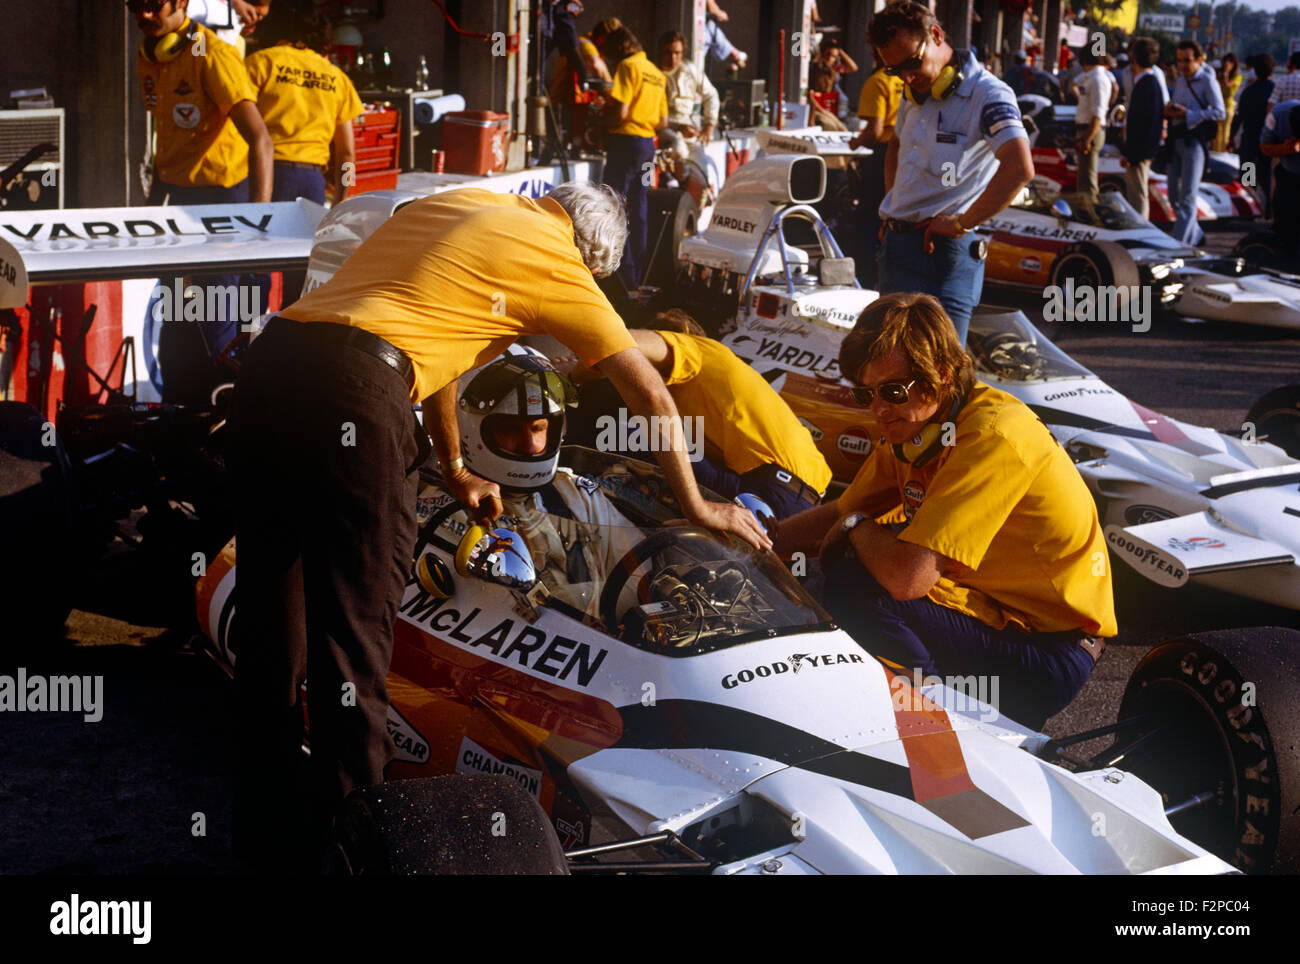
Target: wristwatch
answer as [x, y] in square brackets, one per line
[851, 521]
[957, 221]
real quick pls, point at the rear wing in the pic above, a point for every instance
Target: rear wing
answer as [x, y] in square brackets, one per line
[809, 140]
[1172, 551]
[102, 244]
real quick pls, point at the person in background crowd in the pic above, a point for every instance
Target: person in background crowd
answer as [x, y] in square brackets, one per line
[1287, 87]
[829, 106]
[1143, 124]
[1229, 84]
[835, 58]
[1281, 139]
[637, 108]
[716, 44]
[1117, 74]
[325, 453]
[570, 81]
[878, 110]
[1250, 117]
[308, 105]
[1095, 91]
[1063, 56]
[978, 556]
[959, 155]
[1019, 73]
[211, 142]
[1193, 114]
[687, 87]
[1069, 78]
[231, 21]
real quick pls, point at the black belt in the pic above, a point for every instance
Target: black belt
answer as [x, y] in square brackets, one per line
[358, 338]
[786, 480]
[903, 227]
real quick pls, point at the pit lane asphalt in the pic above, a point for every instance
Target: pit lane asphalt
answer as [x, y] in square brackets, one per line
[123, 795]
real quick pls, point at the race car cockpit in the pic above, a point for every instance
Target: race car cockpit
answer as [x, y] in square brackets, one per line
[1110, 211]
[1006, 347]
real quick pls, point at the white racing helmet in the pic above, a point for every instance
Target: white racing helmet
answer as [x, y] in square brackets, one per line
[521, 381]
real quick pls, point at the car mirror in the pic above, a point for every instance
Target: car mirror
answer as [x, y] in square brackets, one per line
[1061, 209]
[498, 556]
[762, 511]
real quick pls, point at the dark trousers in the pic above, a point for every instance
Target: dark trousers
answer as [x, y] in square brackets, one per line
[1037, 674]
[953, 273]
[293, 181]
[324, 459]
[871, 171]
[1263, 186]
[187, 349]
[626, 158]
[1286, 215]
[722, 480]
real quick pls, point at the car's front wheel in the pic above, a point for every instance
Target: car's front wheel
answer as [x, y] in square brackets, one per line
[1095, 264]
[454, 824]
[1223, 716]
[1275, 418]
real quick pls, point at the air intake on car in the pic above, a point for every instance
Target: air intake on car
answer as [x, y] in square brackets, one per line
[807, 180]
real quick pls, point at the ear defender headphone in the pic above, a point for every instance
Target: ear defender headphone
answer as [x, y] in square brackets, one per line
[929, 443]
[169, 46]
[949, 79]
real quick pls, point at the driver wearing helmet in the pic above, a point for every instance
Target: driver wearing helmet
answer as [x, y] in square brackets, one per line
[511, 415]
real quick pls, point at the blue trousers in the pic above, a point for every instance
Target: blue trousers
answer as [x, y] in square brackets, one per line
[1038, 674]
[293, 181]
[722, 480]
[953, 274]
[626, 157]
[186, 350]
[1186, 167]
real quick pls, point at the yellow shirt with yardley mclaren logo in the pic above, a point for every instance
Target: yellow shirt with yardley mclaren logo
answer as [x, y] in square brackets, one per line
[190, 97]
[744, 418]
[302, 97]
[641, 85]
[453, 279]
[1005, 504]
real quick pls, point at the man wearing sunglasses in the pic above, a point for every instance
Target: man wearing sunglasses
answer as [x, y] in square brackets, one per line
[988, 559]
[960, 139]
[211, 148]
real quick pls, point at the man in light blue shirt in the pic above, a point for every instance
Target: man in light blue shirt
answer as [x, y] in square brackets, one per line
[959, 156]
[1280, 138]
[1193, 114]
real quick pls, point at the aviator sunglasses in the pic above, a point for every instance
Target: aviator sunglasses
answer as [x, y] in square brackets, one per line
[911, 63]
[895, 393]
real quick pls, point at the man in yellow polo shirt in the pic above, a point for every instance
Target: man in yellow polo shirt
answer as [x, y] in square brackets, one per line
[638, 107]
[753, 442]
[325, 452]
[308, 105]
[878, 110]
[210, 142]
[991, 562]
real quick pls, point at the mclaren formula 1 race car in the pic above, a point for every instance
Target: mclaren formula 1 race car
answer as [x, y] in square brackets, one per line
[1045, 239]
[692, 698]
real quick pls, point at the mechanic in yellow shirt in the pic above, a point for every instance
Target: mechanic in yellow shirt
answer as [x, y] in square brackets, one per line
[637, 108]
[878, 109]
[753, 442]
[308, 105]
[991, 562]
[325, 453]
[211, 148]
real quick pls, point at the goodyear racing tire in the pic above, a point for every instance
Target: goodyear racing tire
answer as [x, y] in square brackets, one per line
[36, 526]
[1276, 417]
[672, 212]
[1096, 263]
[1259, 249]
[454, 824]
[1230, 706]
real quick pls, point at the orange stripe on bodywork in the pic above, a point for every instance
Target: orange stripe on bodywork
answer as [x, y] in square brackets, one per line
[940, 781]
[207, 586]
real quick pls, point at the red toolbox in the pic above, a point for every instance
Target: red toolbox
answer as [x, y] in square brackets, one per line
[475, 141]
[377, 136]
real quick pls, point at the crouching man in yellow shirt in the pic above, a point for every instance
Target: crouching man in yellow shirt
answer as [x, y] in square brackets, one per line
[967, 545]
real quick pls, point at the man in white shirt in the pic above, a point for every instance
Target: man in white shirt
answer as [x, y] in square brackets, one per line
[1095, 86]
[228, 20]
[1286, 87]
[687, 86]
